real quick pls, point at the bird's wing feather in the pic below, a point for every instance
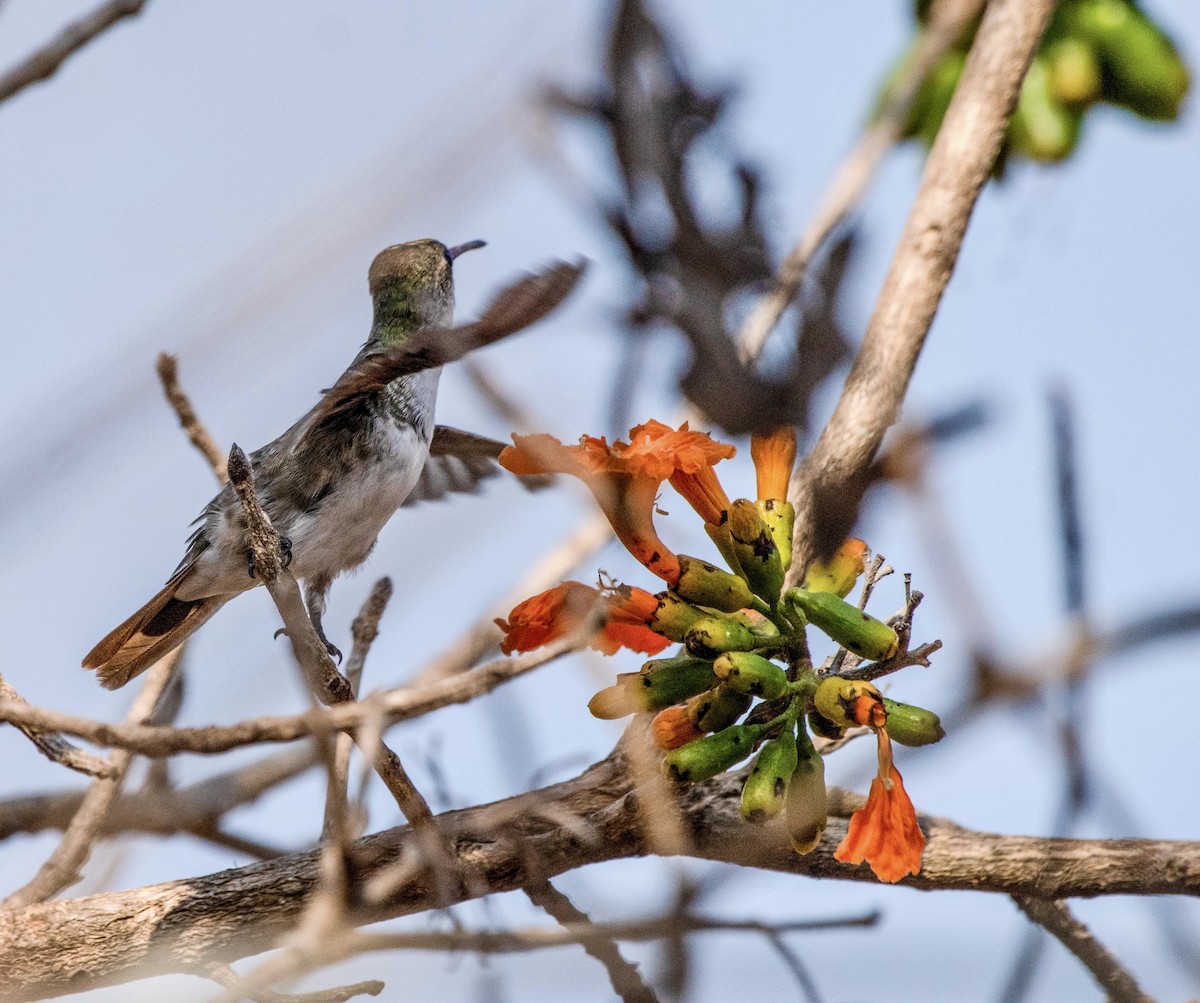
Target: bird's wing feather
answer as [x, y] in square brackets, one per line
[459, 462]
[523, 303]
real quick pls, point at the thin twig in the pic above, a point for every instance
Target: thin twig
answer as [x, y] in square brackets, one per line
[828, 485]
[225, 976]
[947, 20]
[63, 867]
[168, 373]
[395, 705]
[626, 982]
[54, 747]
[46, 61]
[1119, 985]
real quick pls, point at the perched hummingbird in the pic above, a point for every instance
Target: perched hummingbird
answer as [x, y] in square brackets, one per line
[332, 480]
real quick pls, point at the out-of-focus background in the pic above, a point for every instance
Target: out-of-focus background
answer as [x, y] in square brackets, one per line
[213, 180]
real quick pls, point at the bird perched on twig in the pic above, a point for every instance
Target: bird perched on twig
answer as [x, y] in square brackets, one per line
[332, 480]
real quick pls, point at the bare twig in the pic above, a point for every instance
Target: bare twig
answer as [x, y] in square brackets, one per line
[626, 982]
[168, 372]
[1054, 916]
[829, 483]
[56, 748]
[396, 705]
[63, 868]
[46, 61]
[947, 20]
[227, 977]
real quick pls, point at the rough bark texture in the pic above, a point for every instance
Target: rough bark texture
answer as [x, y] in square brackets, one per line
[69, 946]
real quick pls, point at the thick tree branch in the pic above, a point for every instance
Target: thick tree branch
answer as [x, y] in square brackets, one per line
[53, 948]
[829, 483]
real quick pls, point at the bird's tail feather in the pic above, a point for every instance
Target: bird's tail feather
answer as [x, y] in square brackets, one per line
[157, 628]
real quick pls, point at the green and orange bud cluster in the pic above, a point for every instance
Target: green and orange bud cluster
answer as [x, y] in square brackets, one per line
[1093, 52]
[726, 696]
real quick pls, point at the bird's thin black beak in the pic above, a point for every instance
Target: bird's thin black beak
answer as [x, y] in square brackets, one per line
[470, 245]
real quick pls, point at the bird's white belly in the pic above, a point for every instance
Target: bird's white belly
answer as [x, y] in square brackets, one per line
[341, 532]
[335, 537]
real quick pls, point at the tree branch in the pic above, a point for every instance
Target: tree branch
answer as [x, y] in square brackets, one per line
[52, 948]
[828, 485]
[1119, 985]
[46, 61]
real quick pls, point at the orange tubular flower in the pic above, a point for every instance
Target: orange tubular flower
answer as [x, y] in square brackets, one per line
[624, 477]
[560, 611]
[884, 832]
[774, 456]
[695, 456]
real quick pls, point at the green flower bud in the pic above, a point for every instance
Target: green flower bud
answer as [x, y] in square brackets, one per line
[752, 674]
[835, 699]
[805, 807]
[911, 725]
[706, 585]
[1074, 71]
[756, 550]
[661, 683]
[1142, 69]
[723, 541]
[675, 616]
[765, 789]
[840, 572]
[713, 754]
[718, 708]
[779, 517]
[852, 628]
[1042, 127]
[710, 636]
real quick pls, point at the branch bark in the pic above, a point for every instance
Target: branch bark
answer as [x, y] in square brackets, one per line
[60, 947]
[829, 484]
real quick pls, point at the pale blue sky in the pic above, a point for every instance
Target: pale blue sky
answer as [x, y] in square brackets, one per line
[213, 179]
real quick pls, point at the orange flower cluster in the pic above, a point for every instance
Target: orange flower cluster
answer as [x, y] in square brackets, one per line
[625, 478]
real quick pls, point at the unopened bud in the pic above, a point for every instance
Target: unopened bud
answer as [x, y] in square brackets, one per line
[661, 683]
[756, 550]
[840, 572]
[752, 674]
[852, 628]
[805, 806]
[707, 585]
[711, 636]
[911, 725]
[713, 754]
[717, 709]
[765, 789]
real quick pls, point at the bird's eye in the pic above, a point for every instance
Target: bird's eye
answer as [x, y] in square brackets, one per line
[449, 257]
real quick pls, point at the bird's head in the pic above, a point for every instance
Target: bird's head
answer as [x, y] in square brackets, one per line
[412, 286]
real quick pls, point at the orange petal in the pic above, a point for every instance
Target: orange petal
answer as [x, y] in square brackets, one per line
[884, 832]
[774, 456]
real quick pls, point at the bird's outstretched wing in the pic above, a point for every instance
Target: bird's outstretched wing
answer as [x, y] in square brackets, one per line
[523, 303]
[458, 463]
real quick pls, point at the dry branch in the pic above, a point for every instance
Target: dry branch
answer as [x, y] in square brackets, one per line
[829, 483]
[46, 61]
[53, 746]
[53, 948]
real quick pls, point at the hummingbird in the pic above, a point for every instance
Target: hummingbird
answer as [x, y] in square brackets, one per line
[370, 445]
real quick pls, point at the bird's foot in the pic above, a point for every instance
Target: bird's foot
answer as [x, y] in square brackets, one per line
[281, 632]
[334, 651]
